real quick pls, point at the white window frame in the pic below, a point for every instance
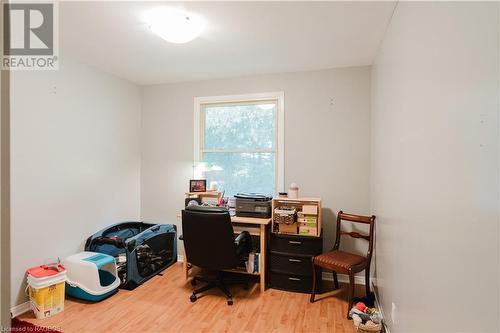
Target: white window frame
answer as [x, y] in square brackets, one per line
[279, 97]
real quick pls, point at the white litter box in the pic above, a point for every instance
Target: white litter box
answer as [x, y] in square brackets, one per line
[91, 276]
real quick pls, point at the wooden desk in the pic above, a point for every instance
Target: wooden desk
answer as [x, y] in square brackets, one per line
[257, 227]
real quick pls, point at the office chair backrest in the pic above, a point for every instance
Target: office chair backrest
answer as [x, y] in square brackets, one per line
[209, 237]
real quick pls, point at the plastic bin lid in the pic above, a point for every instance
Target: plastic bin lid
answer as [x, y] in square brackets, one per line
[45, 270]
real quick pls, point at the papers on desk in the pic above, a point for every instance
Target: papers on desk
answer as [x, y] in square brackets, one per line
[252, 264]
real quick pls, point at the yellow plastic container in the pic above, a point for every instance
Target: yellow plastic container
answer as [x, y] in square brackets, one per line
[46, 290]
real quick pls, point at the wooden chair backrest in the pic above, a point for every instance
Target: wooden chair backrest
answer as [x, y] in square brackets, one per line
[370, 220]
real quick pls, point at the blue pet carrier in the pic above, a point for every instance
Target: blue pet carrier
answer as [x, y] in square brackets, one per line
[142, 250]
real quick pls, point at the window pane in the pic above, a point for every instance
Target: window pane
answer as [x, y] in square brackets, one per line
[243, 172]
[251, 126]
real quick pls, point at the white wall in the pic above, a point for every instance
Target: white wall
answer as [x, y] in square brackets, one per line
[435, 167]
[333, 137]
[4, 200]
[75, 161]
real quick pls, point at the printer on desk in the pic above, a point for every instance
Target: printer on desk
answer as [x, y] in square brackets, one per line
[253, 205]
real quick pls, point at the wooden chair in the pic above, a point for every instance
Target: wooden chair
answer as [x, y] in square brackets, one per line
[344, 262]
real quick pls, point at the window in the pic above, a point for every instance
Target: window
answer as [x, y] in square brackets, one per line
[239, 142]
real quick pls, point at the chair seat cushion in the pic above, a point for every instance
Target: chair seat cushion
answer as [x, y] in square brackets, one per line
[339, 259]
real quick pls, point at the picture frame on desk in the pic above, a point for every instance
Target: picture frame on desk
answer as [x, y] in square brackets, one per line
[197, 185]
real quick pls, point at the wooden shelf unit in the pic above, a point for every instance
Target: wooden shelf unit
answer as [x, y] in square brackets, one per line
[207, 194]
[298, 204]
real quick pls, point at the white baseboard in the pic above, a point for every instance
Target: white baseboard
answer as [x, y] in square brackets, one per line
[19, 309]
[379, 306]
[358, 279]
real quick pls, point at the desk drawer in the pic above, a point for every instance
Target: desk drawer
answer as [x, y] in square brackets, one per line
[290, 282]
[296, 244]
[300, 265]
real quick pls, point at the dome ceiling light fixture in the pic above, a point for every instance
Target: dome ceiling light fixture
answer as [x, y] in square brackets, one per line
[174, 25]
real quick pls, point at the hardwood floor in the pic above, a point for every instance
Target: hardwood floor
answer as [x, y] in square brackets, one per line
[162, 305]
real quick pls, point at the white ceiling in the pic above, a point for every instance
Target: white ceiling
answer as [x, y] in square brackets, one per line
[242, 38]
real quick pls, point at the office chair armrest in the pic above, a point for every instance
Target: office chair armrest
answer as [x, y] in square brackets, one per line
[241, 238]
[243, 243]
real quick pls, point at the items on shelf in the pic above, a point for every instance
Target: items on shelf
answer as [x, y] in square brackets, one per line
[285, 219]
[252, 264]
[308, 220]
[297, 216]
[210, 198]
[293, 191]
[192, 202]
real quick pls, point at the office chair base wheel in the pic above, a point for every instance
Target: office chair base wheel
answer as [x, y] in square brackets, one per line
[193, 282]
[230, 301]
[193, 298]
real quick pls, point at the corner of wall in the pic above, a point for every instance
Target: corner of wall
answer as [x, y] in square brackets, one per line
[498, 83]
[5, 192]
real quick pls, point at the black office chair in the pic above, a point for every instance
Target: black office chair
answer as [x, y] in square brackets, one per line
[209, 242]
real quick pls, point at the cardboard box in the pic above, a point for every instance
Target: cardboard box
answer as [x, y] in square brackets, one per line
[307, 219]
[288, 228]
[310, 209]
[308, 224]
[308, 231]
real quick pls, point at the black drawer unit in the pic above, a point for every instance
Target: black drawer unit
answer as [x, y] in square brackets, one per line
[295, 244]
[290, 282]
[285, 262]
[290, 266]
